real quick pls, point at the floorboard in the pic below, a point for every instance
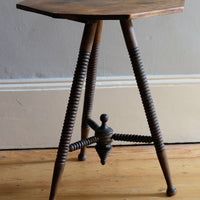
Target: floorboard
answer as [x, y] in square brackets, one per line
[130, 173]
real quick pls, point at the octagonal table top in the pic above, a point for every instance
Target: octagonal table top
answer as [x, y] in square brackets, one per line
[85, 10]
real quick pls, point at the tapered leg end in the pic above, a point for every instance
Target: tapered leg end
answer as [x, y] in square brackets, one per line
[52, 197]
[58, 171]
[171, 191]
[82, 157]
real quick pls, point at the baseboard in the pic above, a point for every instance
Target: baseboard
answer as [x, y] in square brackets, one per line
[32, 110]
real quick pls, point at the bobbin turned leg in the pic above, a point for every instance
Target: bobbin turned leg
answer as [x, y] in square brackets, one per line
[147, 100]
[79, 76]
[90, 88]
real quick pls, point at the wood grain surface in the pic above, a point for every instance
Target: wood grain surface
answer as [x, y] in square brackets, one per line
[83, 10]
[130, 173]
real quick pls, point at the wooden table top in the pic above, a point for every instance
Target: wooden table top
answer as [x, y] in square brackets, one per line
[84, 10]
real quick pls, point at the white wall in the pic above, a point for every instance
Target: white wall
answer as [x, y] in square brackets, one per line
[32, 111]
[35, 46]
[37, 51]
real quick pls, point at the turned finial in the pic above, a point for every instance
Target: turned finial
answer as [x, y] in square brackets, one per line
[104, 133]
[104, 119]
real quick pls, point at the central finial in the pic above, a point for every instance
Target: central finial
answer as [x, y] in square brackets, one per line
[104, 133]
[104, 119]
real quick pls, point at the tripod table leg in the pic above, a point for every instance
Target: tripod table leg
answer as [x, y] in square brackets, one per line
[90, 88]
[147, 100]
[79, 76]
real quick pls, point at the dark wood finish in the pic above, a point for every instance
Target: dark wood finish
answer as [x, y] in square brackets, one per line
[85, 10]
[90, 88]
[162, 157]
[105, 134]
[83, 143]
[79, 76]
[84, 135]
[147, 100]
[93, 125]
[132, 138]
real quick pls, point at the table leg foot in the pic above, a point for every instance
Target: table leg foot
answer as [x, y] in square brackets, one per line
[142, 82]
[72, 108]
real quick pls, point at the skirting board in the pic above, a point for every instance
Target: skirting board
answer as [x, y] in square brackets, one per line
[32, 110]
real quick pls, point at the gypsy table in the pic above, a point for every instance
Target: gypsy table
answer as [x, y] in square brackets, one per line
[92, 13]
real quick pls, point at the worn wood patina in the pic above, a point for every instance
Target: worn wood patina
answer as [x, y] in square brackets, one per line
[84, 10]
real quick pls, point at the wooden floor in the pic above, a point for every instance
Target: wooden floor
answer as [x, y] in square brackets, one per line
[130, 173]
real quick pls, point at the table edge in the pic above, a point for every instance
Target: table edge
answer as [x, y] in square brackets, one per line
[85, 18]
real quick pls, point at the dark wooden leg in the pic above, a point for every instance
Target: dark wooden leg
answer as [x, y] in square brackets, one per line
[79, 76]
[147, 100]
[90, 88]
